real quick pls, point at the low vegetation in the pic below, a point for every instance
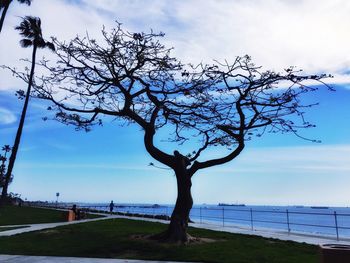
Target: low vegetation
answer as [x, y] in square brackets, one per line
[122, 238]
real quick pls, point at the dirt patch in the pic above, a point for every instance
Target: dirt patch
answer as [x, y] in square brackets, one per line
[191, 240]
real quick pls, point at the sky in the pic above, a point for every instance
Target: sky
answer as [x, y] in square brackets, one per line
[110, 162]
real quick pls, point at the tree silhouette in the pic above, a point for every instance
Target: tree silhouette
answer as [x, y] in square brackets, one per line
[30, 29]
[3, 158]
[4, 6]
[131, 76]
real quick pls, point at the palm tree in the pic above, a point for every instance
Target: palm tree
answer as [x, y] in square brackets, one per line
[3, 158]
[6, 148]
[30, 29]
[4, 6]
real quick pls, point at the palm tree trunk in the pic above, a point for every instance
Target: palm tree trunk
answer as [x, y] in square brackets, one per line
[19, 130]
[3, 14]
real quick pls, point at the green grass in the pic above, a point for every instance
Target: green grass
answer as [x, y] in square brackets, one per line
[15, 215]
[112, 239]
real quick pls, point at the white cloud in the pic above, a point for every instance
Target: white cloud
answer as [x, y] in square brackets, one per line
[6, 116]
[310, 34]
[58, 19]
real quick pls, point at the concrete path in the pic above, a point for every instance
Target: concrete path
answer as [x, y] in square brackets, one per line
[277, 234]
[43, 259]
[35, 227]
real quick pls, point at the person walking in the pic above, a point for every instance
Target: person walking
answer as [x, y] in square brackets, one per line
[111, 207]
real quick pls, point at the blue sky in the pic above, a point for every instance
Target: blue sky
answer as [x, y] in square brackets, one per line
[111, 163]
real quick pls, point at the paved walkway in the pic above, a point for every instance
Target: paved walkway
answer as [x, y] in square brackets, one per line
[35, 227]
[277, 234]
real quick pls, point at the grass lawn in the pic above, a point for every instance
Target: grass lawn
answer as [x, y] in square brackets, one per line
[113, 239]
[15, 215]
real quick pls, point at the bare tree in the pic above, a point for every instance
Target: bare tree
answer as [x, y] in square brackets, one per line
[131, 76]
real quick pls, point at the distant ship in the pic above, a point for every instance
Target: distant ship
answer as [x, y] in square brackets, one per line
[149, 206]
[223, 204]
[319, 207]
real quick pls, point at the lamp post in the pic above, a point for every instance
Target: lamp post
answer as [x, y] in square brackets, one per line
[57, 195]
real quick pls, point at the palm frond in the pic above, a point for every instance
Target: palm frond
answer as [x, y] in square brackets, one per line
[30, 27]
[4, 3]
[27, 2]
[24, 28]
[50, 46]
[26, 42]
[40, 43]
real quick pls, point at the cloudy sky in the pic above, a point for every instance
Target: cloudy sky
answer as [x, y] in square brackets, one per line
[111, 163]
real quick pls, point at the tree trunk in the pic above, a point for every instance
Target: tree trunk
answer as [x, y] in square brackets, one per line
[3, 14]
[19, 130]
[177, 230]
